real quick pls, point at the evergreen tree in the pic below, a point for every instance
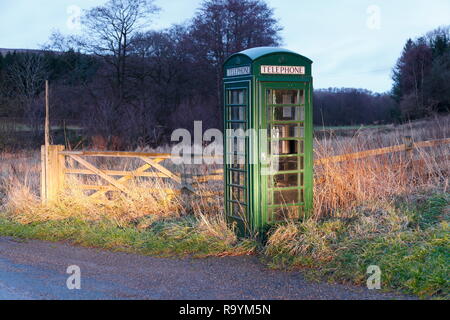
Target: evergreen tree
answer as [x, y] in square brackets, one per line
[397, 92]
[421, 75]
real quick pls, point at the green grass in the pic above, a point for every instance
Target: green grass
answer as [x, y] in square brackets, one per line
[167, 238]
[412, 262]
[413, 258]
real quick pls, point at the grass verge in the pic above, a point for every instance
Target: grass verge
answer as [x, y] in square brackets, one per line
[177, 237]
[409, 242]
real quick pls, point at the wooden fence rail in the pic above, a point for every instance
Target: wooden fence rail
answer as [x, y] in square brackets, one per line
[376, 152]
[54, 170]
[116, 154]
[407, 147]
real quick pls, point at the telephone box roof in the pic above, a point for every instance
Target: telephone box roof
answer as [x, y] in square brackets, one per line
[258, 52]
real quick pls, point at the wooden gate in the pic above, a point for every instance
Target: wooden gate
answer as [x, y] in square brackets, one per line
[54, 170]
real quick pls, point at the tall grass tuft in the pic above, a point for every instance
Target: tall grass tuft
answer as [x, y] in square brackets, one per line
[342, 186]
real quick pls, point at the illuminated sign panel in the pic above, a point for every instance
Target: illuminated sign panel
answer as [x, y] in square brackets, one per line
[240, 71]
[293, 70]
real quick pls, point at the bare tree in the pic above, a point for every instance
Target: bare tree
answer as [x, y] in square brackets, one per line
[26, 76]
[108, 31]
[224, 27]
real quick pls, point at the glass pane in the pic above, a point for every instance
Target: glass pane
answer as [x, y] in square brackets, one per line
[288, 131]
[237, 210]
[288, 164]
[286, 147]
[238, 194]
[288, 113]
[236, 126]
[283, 96]
[285, 213]
[236, 160]
[237, 113]
[302, 97]
[237, 165]
[236, 96]
[238, 178]
[286, 180]
[286, 197]
[299, 131]
[236, 145]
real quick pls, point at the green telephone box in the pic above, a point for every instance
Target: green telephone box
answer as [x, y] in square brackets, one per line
[268, 147]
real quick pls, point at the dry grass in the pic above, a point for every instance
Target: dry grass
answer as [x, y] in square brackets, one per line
[25, 207]
[338, 187]
[342, 186]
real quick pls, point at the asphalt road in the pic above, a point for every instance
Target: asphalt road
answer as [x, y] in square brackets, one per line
[37, 270]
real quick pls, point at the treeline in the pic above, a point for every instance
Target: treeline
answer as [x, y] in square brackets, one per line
[22, 77]
[349, 107]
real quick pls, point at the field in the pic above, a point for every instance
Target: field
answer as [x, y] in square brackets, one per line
[384, 211]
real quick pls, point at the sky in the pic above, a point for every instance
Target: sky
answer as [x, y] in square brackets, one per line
[353, 43]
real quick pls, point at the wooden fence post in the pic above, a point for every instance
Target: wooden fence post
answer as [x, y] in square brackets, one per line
[186, 176]
[409, 151]
[43, 174]
[54, 173]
